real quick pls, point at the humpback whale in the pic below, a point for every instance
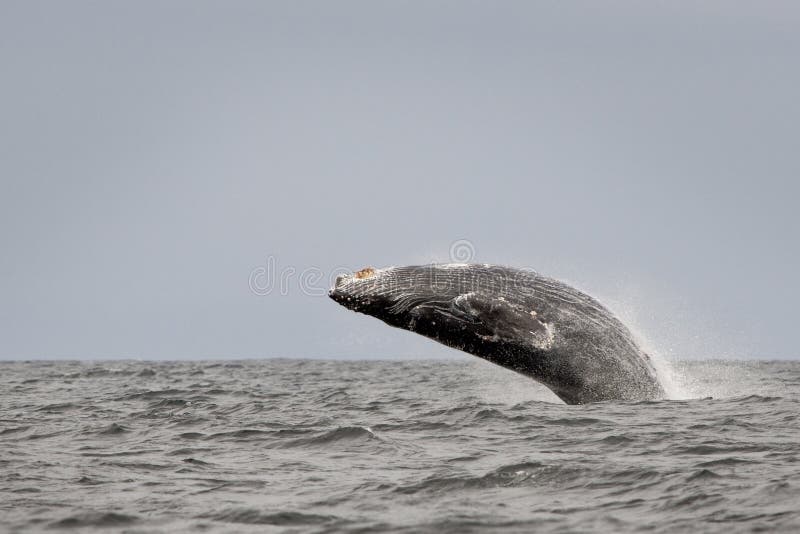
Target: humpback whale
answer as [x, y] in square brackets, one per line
[516, 318]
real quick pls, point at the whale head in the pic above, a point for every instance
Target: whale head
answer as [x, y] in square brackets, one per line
[392, 294]
[460, 305]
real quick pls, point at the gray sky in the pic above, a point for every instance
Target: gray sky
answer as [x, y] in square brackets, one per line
[154, 155]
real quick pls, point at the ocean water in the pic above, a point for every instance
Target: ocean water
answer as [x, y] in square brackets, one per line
[333, 446]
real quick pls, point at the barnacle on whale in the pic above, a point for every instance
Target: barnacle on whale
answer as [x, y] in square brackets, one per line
[366, 272]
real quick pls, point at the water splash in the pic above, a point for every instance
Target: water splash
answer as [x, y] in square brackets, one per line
[716, 377]
[628, 311]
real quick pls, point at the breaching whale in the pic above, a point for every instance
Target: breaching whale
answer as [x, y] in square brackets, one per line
[515, 318]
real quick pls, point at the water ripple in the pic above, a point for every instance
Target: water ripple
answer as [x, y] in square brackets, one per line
[329, 446]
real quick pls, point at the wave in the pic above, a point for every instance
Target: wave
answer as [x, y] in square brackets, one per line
[252, 516]
[112, 430]
[526, 473]
[96, 519]
[345, 434]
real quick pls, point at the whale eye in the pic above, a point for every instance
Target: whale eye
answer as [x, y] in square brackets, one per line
[366, 272]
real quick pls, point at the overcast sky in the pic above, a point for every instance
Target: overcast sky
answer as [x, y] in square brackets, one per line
[157, 157]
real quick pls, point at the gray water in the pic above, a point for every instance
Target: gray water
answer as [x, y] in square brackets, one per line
[288, 445]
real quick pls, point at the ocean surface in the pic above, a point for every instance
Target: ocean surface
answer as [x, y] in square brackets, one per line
[409, 446]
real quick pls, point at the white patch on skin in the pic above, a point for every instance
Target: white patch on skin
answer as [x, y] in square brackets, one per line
[549, 337]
